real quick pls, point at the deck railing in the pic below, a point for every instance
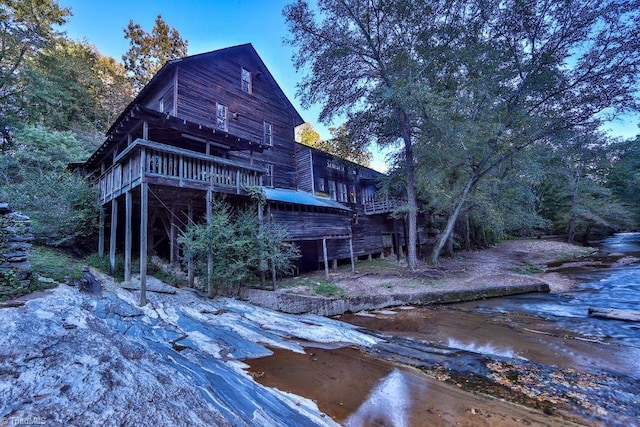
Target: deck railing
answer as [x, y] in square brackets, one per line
[382, 206]
[172, 166]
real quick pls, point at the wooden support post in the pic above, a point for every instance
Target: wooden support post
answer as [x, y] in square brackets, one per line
[209, 255]
[334, 264]
[326, 259]
[127, 237]
[263, 279]
[144, 212]
[112, 240]
[190, 277]
[353, 261]
[101, 232]
[238, 181]
[396, 238]
[173, 236]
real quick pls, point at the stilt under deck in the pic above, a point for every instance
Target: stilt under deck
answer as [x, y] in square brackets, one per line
[163, 184]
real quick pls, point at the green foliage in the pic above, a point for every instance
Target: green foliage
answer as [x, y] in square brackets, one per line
[238, 247]
[341, 143]
[148, 52]
[54, 264]
[26, 27]
[62, 205]
[469, 85]
[623, 177]
[71, 86]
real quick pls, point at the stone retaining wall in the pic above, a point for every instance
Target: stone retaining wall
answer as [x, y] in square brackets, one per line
[300, 304]
[15, 269]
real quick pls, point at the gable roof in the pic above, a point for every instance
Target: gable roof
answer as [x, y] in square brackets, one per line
[169, 68]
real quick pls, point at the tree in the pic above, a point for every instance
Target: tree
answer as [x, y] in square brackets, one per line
[62, 205]
[344, 146]
[234, 245]
[623, 177]
[307, 135]
[149, 52]
[529, 71]
[340, 144]
[26, 27]
[359, 57]
[71, 86]
[475, 81]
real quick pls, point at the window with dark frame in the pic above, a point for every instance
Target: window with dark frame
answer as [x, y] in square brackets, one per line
[268, 134]
[221, 117]
[246, 81]
[269, 177]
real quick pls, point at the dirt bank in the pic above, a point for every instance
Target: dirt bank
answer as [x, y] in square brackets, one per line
[508, 268]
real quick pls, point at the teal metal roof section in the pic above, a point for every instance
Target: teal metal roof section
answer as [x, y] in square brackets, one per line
[301, 198]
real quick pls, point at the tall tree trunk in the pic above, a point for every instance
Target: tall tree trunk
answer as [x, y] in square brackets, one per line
[467, 233]
[574, 202]
[444, 236]
[412, 215]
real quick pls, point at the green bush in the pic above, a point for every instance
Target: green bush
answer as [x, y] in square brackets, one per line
[239, 246]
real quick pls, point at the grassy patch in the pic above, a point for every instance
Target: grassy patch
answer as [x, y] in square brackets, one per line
[55, 264]
[528, 268]
[328, 289]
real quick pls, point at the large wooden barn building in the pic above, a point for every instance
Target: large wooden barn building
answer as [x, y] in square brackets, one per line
[218, 122]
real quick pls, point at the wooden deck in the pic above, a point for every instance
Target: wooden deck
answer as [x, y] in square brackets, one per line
[375, 207]
[154, 163]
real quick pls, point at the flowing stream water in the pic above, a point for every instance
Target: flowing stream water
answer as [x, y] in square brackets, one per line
[552, 330]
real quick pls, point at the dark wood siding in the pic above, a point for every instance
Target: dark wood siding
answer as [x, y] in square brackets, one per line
[217, 79]
[304, 169]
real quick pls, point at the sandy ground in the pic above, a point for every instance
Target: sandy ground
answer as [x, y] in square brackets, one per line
[508, 263]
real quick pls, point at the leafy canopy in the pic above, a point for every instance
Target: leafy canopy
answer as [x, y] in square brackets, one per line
[148, 52]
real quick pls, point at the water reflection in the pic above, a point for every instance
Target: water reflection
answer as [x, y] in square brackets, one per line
[387, 404]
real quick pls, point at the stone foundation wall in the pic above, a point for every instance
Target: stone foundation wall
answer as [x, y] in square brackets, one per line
[15, 270]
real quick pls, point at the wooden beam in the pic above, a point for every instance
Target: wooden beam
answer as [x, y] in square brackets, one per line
[190, 276]
[127, 237]
[101, 232]
[353, 262]
[173, 244]
[112, 240]
[144, 212]
[209, 255]
[326, 258]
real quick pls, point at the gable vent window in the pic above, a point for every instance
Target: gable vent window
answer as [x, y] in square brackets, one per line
[221, 117]
[246, 81]
[268, 134]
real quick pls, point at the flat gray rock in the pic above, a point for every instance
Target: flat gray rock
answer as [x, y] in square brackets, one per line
[153, 285]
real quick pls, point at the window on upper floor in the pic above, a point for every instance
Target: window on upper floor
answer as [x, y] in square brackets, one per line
[342, 192]
[352, 195]
[332, 190]
[269, 176]
[246, 81]
[268, 133]
[221, 117]
[321, 185]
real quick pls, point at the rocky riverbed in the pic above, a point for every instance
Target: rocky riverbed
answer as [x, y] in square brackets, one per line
[73, 358]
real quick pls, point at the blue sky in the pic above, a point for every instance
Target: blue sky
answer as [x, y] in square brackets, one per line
[214, 24]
